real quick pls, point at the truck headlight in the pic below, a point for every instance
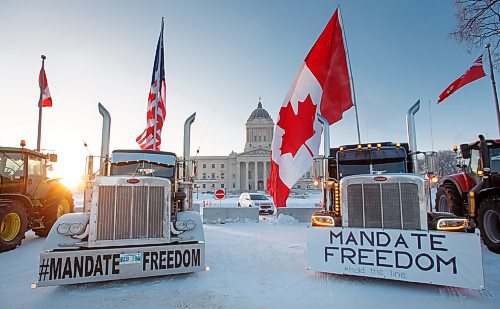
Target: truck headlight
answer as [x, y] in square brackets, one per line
[185, 225]
[451, 224]
[70, 229]
[63, 228]
[190, 224]
[318, 220]
[76, 229]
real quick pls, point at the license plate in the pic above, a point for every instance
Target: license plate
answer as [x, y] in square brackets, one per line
[130, 258]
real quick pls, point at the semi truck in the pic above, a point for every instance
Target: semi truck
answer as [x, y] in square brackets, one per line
[136, 221]
[377, 219]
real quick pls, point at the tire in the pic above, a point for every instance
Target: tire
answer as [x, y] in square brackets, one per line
[448, 199]
[58, 202]
[489, 223]
[13, 225]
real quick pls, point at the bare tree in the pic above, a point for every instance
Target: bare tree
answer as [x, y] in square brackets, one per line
[446, 163]
[478, 24]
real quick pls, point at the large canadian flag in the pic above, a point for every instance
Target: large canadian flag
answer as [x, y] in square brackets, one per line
[322, 86]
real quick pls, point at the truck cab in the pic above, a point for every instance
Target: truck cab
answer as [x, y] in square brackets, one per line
[375, 185]
[377, 158]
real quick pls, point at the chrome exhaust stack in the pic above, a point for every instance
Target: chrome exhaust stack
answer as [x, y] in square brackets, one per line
[106, 128]
[186, 168]
[326, 151]
[412, 133]
[187, 146]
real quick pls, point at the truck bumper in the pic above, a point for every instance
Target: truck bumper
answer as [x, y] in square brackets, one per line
[81, 266]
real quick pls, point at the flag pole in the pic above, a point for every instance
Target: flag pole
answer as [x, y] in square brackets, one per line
[42, 86]
[159, 84]
[493, 84]
[350, 73]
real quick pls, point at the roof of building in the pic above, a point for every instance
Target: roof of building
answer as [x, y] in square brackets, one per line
[259, 112]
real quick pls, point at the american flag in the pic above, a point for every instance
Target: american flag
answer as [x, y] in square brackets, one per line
[151, 137]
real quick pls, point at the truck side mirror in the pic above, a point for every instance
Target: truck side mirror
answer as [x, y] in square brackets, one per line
[317, 167]
[430, 162]
[53, 157]
[465, 150]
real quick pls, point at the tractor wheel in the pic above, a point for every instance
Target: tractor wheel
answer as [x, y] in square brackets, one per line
[13, 225]
[489, 223]
[448, 199]
[58, 202]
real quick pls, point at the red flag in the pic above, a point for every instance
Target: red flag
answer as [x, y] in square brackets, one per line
[321, 86]
[150, 138]
[44, 89]
[474, 72]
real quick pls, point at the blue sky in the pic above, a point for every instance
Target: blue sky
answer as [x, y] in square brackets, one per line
[220, 57]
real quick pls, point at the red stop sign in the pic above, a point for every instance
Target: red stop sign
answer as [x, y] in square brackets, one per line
[219, 194]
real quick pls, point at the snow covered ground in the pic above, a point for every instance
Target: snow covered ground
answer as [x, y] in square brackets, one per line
[252, 265]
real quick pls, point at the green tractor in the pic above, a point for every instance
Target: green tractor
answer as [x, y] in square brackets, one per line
[28, 199]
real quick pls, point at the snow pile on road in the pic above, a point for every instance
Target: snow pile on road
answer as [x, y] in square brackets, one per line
[286, 219]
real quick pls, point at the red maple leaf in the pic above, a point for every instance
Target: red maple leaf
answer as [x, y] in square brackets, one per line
[298, 127]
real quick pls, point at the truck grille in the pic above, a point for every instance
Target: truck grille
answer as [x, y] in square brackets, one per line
[383, 205]
[130, 212]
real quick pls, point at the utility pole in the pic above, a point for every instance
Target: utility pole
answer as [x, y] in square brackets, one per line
[494, 87]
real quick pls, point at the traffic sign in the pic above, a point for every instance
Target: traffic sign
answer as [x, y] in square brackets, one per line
[219, 194]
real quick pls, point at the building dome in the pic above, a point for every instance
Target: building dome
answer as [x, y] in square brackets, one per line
[259, 113]
[260, 127]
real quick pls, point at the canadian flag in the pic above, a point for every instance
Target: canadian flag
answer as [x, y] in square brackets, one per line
[322, 86]
[46, 99]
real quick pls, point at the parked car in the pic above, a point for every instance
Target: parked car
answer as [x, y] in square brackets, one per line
[256, 200]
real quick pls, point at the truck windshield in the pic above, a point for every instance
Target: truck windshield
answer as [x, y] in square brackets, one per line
[142, 169]
[12, 164]
[495, 160]
[374, 167]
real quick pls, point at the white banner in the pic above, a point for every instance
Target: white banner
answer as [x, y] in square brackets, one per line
[442, 258]
[79, 266]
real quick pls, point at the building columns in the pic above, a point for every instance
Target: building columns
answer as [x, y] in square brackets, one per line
[264, 174]
[256, 180]
[247, 180]
[238, 180]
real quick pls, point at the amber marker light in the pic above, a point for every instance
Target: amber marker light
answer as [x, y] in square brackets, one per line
[455, 148]
[379, 146]
[359, 147]
[322, 221]
[434, 179]
[369, 146]
[341, 149]
[480, 173]
[452, 224]
[398, 145]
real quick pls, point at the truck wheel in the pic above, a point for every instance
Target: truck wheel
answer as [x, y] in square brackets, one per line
[58, 202]
[13, 225]
[448, 199]
[489, 223]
